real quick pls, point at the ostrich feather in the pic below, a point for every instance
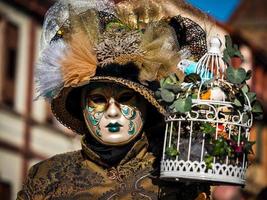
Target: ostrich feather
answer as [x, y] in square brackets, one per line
[80, 63]
[48, 75]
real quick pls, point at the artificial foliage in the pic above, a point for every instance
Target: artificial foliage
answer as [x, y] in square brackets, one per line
[178, 96]
[231, 50]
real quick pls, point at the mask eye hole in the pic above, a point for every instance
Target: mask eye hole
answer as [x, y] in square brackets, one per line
[98, 99]
[125, 97]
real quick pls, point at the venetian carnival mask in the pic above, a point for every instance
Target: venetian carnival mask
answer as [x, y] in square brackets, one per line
[114, 114]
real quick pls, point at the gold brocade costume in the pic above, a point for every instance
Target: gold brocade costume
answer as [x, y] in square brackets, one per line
[81, 175]
[133, 44]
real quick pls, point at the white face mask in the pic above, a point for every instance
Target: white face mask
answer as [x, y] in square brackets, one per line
[113, 114]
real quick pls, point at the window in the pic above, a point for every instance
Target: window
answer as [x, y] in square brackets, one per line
[10, 47]
[5, 190]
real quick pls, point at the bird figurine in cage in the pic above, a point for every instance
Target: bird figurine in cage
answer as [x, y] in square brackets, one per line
[210, 113]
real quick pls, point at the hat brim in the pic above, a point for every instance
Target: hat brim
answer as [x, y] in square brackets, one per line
[67, 108]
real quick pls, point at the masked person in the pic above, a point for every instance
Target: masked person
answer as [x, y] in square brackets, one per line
[100, 66]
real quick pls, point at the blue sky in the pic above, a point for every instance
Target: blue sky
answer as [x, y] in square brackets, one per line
[219, 9]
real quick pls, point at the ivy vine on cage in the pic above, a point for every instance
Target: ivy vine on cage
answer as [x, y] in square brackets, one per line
[210, 113]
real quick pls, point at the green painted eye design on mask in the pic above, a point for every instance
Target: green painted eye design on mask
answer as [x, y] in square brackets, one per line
[131, 128]
[125, 110]
[130, 114]
[133, 115]
[94, 118]
[98, 133]
[90, 109]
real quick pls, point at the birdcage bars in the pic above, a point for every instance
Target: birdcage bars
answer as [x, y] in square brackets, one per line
[224, 171]
[182, 130]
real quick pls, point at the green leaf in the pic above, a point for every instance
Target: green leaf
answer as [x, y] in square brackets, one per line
[228, 41]
[183, 105]
[172, 152]
[229, 151]
[217, 151]
[162, 82]
[248, 146]
[174, 88]
[235, 138]
[251, 96]
[257, 107]
[171, 80]
[158, 94]
[207, 128]
[194, 96]
[221, 148]
[230, 50]
[235, 76]
[226, 57]
[237, 103]
[167, 96]
[248, 75]
[245, 89]
[245, 118]
[222, 152]
[208, 161]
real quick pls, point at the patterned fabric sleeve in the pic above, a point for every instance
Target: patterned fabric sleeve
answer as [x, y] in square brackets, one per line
[28, 188]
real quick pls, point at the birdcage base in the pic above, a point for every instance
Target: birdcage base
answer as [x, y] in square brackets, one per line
[197, 171]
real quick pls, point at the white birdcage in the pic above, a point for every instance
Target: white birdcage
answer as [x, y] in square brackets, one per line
[194, 138]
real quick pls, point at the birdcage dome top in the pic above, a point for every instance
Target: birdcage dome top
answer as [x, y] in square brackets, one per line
[215, 45]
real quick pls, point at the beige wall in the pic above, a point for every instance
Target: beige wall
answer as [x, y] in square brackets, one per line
[45, 140]
[10, 170]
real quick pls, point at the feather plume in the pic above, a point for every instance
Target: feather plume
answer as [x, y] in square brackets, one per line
[80, 63]
[86, 22]
[48, 75]
[136, 13]
[160, 47]
[91, 24]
